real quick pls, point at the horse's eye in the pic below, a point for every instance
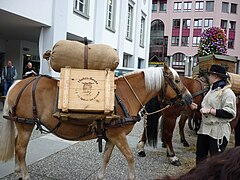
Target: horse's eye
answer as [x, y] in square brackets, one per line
[177, 81]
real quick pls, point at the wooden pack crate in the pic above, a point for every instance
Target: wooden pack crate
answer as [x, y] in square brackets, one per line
[206, 62]
[235, 81]
[84, 90]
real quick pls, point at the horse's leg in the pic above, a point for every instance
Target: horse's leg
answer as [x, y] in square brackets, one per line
[24, 133]
[162, 132]
[123, 146]
[106, 157]
[17, 166]
[168, 128]
[182, 123]
[141, 144]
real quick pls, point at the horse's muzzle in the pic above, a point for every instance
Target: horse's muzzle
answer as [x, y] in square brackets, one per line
[187, 99]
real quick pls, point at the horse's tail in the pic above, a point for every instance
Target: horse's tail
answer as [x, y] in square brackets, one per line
[7, 141]
[152, 129]
[7, 136]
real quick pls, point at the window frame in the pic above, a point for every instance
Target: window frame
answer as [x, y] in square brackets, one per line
[111, 16]
[164, 5]
[231, 8]
[197, 39]
[129, 32]
[227, 6]
[85, 12]
[187, 4]
[198, 5]
[176, 21]
[208, 20]
[207, 6]
[142, 30]
[188, 22]
[175, 41]
[185, 41]
[199, 21]
[177, 7]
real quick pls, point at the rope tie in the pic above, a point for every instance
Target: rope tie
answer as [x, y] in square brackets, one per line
[145, 113]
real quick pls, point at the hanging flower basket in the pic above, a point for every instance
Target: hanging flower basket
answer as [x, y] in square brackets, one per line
[213, 50]
[213, 41]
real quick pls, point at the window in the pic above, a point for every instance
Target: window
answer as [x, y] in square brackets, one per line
[175, 40]
[232, 25]
[163, 6]
[142, 29]
[224, 24]
[127, 60]
[208, 23]
[233, 8]
[198, 23]
[186, 23]
[176, 23]
[177, 7]
[111, 15]
[185, 41]
[225, 7]
[82, 7]
[209, 6]
[140, 63]
[231, 43]
[196, 41]
[187, 7]
[129, 22]
[199, 6]
[154, 6]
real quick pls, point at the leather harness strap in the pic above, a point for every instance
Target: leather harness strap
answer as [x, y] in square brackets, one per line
[85, 53]
[35, 119]
[18, 97]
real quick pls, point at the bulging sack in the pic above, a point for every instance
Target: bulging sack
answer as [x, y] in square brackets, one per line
[71, 53]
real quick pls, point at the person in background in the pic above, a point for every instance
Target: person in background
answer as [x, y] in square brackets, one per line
[28, 71]
[9, 74]
[218, 109]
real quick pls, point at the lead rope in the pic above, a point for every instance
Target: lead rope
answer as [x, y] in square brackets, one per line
[145, 111]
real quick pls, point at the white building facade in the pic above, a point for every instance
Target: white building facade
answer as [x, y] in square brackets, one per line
[30, 27]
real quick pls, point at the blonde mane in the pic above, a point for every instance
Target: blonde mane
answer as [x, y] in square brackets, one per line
[154, 77]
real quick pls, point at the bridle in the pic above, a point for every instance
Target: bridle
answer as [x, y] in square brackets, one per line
[177, 100]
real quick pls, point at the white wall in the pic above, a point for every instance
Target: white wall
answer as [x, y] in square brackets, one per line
[40, 11]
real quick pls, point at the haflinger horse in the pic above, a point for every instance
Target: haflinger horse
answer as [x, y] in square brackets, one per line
[32, 101]
[223, 166]
[168, 119]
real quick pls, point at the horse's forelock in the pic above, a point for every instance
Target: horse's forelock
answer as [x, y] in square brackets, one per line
[153, 78]
[174, 72]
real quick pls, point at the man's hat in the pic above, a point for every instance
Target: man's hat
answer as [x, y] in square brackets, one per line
[219, 70]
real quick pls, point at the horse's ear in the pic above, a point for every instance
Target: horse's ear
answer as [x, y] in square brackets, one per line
[166, 68]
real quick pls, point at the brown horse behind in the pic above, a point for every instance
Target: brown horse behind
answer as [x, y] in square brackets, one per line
[168, 120]
[134, 90]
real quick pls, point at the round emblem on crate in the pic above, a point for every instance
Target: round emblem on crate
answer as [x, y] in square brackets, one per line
[87, 89]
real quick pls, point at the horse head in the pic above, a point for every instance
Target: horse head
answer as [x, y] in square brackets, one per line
[174, 88]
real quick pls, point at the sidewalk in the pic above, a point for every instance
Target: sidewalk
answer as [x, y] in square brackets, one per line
[49, 157]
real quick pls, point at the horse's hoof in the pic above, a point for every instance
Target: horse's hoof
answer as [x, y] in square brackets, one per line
[164, 145]
[142, 154]
[185, 144]
[176, 163]
[20, 178]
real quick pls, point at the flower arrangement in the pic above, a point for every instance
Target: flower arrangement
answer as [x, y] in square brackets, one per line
[213, 41]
